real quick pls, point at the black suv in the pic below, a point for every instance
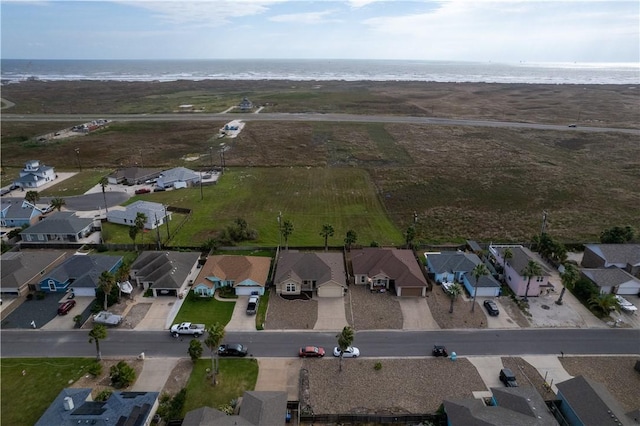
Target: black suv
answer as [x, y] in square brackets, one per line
[508, 378]
[232, 350]
[439, 350]
[491, 308]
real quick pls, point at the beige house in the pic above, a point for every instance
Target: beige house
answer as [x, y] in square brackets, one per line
[389, 269]
[322, 274]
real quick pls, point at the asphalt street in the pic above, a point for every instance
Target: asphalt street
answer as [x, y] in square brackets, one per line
[89, 202]
[311, 117]
[126, 343]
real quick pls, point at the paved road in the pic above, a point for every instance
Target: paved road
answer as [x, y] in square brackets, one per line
[90, 202]
[24, 343]
[80, 118]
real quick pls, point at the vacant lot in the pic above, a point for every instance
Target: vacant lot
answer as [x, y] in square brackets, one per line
[462, 182]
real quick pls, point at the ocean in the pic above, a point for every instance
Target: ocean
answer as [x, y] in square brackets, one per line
[16, 70]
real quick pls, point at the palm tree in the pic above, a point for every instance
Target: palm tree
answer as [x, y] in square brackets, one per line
[32, 197]
[327, 231]
[507, 254]
[286, 231]
[605, 303]
[215, 334]
[97, 333]
[103, 182]
[106, 283]
[479, 271]
[57, 203]
[410, 235]
[350, 238]
[454, 291]
[133, 233]
[345, 340]
[139, 222]
[569, 278]
[533, 269]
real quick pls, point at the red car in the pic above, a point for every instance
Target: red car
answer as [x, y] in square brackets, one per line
[66, 306]
[310, 352]
[142, 191]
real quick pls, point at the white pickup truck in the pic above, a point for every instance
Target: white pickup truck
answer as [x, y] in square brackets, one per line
[196, 330]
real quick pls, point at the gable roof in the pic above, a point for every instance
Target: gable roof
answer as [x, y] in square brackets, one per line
[319, 266]
[59, 223]
[165, 269]
[520, 259]
[179, 174]
[121, 409]
[134, 173]
[452, 262]
[608, 277]
[23, 267]
[484, 281]
[398, 264]
[18, 208]
[150, 209]
[591, 401]
[235, 268]
[258, 408]
[627, 254]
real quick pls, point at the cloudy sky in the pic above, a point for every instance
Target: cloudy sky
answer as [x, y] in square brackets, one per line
[467, 30]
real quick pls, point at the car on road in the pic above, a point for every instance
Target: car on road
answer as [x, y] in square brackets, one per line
[66, 306]
[350, 352]
[491, 308]
[439, 350]
[232, 349]
[311, 352]
[508, 378]
[142, 191]
[625, 305]
[573, 125]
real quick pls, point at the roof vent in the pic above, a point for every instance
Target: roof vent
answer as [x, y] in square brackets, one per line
[68, 403]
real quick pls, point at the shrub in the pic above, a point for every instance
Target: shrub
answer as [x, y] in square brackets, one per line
[171, 408]
[95, 369]
[122, 375]
[148, 293]
[104, 395]
[195, 349]
[378, 366]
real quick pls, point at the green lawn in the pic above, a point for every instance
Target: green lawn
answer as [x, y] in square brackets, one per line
[77, 184]
[205, 311]
[25, 397]
[235, 377]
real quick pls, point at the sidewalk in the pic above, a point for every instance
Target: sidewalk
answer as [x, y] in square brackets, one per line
[549, 367]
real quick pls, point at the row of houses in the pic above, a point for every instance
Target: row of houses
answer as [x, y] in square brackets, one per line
[178, 177]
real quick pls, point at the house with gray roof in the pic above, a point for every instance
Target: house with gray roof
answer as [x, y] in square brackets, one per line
[22, 270]
[35, 175]
[389, 269]
[450, 266]
[515, 266]
[156, 214]
[319, 273]
[75, 406]
[522, 406]
[613, 280]
[164, 272]
[79, 273]
[179, 177]
[485, 286]
[622, 256]
[257, 408]
[586, 402]
[58, 227]
[16, 212]
[133, 175]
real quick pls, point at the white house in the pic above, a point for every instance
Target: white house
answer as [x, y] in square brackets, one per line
[180, 177]
[156, 213]
[35, 175]
[515, 267]
[613, 280]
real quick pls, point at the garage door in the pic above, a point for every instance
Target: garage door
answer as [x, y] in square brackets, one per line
[84, 291]
[410, 291]
[248, 291]
[330, 291]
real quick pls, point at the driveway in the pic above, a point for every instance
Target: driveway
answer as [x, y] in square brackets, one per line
[154, 375]
[65, 322]
[160, 310]
[279, 374]
[331, 314]
[549, 367]
[240, 321]
[503, 320]
[489, 370]
[416, 314]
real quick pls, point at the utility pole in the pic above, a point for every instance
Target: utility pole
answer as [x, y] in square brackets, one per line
[544, 223]
[211, 156]
[157, 231]
[166, 218]
[141, 159]
[222, 147]
[280, 229]
[201, 193]
[78, 158]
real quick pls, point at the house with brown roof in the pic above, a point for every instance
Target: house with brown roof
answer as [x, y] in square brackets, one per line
[389, 269]
[319, 273]
[22, 270]
[246, 274]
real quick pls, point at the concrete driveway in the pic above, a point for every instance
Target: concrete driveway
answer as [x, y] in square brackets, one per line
[240, 321]
[503, 320]
[65, 322]
[550, 367]
[156, 318]
[331, 314]
[154, 375]
[416, 314]
[489, 370]
[279, 374]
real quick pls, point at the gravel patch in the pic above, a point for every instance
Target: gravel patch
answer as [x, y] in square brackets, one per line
[179, 377]
[614, 373]
[372, 311]
[284, 314]
[462, 317]
[135, 315]
[401, 386]
[103, 381]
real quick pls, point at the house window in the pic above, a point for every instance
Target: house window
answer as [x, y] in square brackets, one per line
[291, 287]
[539, 279]
[363, 279]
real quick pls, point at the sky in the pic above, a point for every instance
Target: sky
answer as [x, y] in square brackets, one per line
[451, 30]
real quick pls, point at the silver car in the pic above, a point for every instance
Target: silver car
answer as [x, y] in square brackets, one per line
[350, 352]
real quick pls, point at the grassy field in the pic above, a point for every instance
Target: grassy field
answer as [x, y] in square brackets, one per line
[235, 377]
[205, 311]
[25, 397]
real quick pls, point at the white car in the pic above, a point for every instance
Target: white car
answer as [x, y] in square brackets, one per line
[625, 305]
[350, 352]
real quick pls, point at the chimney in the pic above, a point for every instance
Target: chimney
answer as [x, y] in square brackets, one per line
[68, 403]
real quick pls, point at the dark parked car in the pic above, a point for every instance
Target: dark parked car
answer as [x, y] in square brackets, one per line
[311, 351]
[491, 308]
[439, 350]
[66, 306]
[159, 189]
[508, 378]
[232, 350]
